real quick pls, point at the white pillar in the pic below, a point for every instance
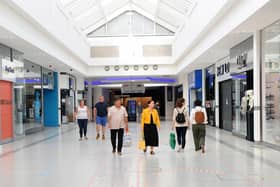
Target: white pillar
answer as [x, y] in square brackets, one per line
[97, 91]
[257, 86]
[203, 86]
[217, 114]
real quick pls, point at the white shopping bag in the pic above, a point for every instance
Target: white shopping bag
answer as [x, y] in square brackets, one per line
[127, 141]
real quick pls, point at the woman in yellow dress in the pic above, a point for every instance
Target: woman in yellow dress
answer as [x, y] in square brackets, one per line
[150, 124]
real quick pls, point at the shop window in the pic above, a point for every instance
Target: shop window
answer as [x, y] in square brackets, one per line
[271, 76]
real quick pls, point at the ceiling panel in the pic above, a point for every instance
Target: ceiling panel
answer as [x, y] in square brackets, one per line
[89, 13]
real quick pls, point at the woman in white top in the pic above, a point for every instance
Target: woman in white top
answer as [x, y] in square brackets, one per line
[181, 122]
[82, 115]
[199, 121]
[118, 121]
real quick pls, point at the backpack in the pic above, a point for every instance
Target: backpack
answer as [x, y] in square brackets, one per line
[180, 118]
[199, 117]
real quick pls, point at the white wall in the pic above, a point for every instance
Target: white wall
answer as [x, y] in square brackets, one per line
[99, 71]
[48, 15]
[195, 24]
[80, 83]
[97, 91]
[63, 81]
[169, 105]
[22, 26]
[183, 79]
[222, 27]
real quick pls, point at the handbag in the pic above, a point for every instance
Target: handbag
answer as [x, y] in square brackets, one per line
[172, 140]
[141, 144]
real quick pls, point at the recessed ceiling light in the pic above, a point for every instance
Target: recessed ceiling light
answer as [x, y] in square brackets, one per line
[145, 67]
[107, 68]
[126, 68]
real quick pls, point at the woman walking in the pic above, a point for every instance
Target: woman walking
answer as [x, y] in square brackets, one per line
[199, 121]
[117, 123]
[150, 123]
[82, 115]
[181, 122]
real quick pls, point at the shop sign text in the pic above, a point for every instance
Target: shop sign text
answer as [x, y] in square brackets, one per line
[223, 69]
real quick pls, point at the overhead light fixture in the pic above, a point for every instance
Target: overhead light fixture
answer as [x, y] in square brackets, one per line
[110, 86]
[155, 85]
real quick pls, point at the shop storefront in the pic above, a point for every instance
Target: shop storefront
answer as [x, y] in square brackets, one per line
[241, 62]
[210, 76]
[67, 97]
[235, 79]
[178, 92]
[7, 77]
[195, 87]
[271, 84]
[29, 84]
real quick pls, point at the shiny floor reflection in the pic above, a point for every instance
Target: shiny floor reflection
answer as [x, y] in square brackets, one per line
[55, 157]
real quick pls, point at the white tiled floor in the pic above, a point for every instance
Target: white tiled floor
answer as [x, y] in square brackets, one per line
[55, 157]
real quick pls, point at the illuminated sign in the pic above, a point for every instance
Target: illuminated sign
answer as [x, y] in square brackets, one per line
[7, 72]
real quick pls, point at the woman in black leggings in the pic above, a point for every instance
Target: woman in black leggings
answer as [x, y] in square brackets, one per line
[82, 115]
[181, 122]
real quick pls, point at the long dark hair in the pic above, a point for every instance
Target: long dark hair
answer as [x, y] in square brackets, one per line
[180, 102]
[198, 103]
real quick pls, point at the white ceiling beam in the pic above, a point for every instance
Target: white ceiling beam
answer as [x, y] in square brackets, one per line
[173, 8]
[101, 9]
[85, 13]
[159, 21]
[109, 18]
[69, 3]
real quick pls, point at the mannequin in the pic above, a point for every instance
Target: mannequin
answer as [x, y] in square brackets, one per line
[250, 100]
[244, 105]
[250, 115]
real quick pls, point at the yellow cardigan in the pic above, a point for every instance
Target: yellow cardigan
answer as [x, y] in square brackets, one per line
[146, 117]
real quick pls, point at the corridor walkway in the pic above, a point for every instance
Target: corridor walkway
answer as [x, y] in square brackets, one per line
[55, 157]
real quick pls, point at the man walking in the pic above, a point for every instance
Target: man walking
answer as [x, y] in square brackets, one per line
[100, 117]
[118, 121]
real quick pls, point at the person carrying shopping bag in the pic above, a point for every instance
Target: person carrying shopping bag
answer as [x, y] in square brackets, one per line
[118, 121]
[150, 123]
[199, 121]
[181, 121]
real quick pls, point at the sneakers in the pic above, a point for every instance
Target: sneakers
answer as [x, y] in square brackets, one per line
[86, 138]
[114, 151]
[180, 149]
[120, 153]
[203, 149]
[97, 136]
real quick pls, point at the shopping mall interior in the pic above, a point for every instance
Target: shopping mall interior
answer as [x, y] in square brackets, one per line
[77, 75]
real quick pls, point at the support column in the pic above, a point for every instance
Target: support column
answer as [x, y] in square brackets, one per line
[97, 92]
[203, 87]
[217, 114]
[257, 85]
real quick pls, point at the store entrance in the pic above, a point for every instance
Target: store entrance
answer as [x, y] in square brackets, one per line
[225, 109]
[6, 111]
[243, 124]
